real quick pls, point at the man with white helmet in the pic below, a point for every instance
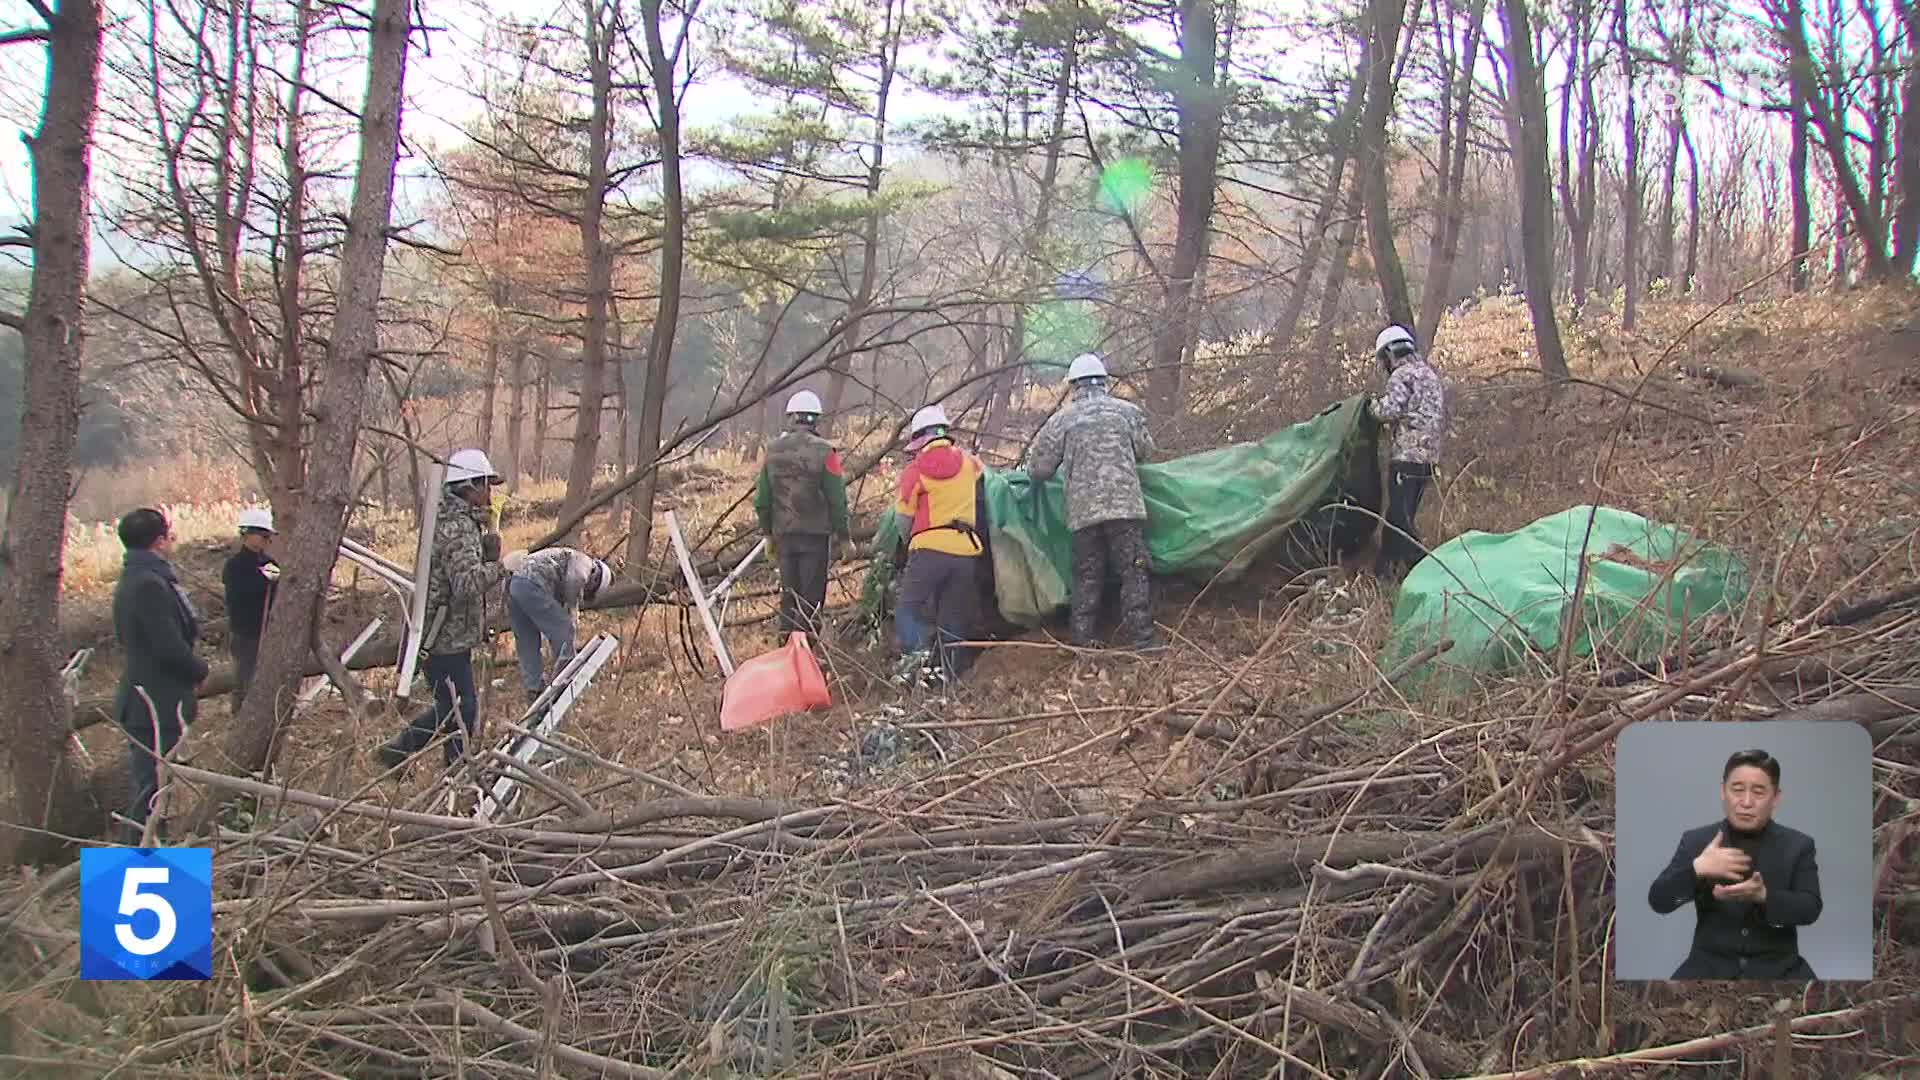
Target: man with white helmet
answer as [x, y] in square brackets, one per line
[1415, 404]
[543, 601]
[250, 578]
[800, 498]
[1097, 444]
[465, 574]
[938, 504]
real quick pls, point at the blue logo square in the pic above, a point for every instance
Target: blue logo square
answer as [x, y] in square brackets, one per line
[146, 913]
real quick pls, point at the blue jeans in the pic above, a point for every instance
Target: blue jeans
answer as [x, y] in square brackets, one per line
[535, 614]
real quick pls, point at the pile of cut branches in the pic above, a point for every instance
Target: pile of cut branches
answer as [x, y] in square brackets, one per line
[1277, 889]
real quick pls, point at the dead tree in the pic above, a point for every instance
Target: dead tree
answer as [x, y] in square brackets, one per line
[662, 66]
[1527, 111]
[324, 502]
[1385, 19]
[48, 794]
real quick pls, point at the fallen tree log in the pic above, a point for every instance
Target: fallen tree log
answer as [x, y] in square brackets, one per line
[1881, 712]
[1291, 861]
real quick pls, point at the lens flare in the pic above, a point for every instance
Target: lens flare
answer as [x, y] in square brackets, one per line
[1125, 185]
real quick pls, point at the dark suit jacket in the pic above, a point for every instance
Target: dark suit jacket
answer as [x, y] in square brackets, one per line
[1736, 939]
[157, 630]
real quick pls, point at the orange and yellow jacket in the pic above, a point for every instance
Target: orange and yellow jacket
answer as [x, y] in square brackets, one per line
[938, 496]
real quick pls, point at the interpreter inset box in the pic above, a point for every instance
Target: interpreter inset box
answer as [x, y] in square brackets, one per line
[1743, 851]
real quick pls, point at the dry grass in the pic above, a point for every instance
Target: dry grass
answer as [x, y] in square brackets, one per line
[1806, 475]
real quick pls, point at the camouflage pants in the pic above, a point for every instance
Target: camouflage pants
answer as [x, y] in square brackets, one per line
[1119, 546]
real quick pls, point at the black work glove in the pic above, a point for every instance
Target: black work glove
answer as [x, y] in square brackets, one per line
[490, 547]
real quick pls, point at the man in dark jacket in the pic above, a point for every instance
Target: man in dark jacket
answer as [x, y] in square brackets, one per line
[1097, 443]
[463, 582]
[250, 578]
[1752, 882]
[157, 629]
[801, 501]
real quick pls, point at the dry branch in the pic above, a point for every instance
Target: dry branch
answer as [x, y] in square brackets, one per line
[1705, 1044]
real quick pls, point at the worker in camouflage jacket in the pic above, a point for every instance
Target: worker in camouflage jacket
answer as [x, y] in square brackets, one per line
[1415, 405]
[463, 582]
[1097, 444]
[800, 498]
[544, 595]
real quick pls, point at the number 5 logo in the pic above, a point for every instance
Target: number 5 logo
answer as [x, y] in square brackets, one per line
[146, 913]
[133, 902]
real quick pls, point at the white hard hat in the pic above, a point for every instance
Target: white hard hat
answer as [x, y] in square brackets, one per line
[806, 401]
[1393, 335]
[598, 578]
[256, 519]
[1086, 366]
[470, 465]
[928, 417]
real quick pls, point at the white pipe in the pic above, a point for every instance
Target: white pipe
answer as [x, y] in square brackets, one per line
[365, 552]
[319, 682]
[699, 595]
[400, 583]
[572, 682]
[726, 583]
[422, 565]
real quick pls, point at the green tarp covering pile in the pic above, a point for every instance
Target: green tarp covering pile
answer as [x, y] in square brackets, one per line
[1501, 597]
[1210, 516]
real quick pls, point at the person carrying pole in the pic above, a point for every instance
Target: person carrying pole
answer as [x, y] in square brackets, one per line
[544, 595]
[249, 579]
[939, 509]
[465, 573]
[1097, 444]
[1415, 405]
[800, 498]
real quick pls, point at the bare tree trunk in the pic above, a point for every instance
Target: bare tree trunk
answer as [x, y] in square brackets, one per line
[1014, 343]
[1663, 239]
[490, 387]
[1906, 228]
[1842, 273]
[1797, 159]
[1867, 228]
[1455, 148]
[253, 740]
[893, 31]
[49, 794]
[1336, 289]
[1344, 135]
[1634, 198]
[1385, 19]
[585, 461]
[289, 385]
[1198, 103]
[516, 407]
[1693, 208]
[622, 401]
[661, 67]
[1527, 107]
[542, 415]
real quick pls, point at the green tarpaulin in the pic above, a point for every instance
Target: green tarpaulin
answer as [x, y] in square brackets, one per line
[1503, 596]
[1290, 497]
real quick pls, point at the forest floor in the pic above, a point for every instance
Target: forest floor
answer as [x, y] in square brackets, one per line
[1248, 851]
